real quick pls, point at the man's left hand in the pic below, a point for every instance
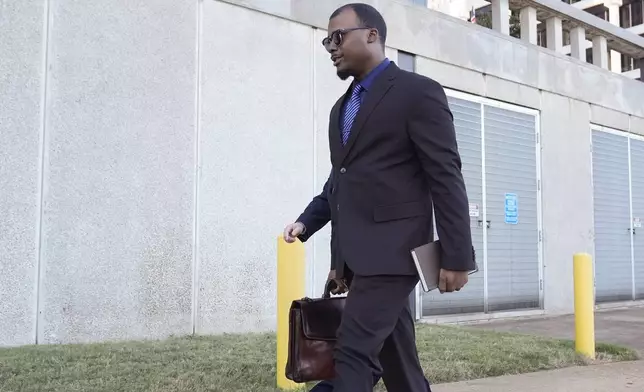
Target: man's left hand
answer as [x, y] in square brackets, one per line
[450, 281]
[340, 284]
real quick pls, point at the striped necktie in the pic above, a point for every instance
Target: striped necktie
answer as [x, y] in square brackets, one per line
[350, 112]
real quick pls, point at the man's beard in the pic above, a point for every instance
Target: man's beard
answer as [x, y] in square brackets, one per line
[343, 75]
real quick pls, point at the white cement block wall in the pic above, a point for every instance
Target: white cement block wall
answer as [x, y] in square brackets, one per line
[254, 152]
[177, 138]
[119, 171]
[21, 83]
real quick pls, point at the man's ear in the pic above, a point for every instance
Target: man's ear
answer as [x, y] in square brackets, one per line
[373, 36]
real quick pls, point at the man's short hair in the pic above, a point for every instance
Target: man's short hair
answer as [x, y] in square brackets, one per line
[368, 16]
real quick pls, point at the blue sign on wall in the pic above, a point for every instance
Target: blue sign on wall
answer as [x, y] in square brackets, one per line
[511, 208]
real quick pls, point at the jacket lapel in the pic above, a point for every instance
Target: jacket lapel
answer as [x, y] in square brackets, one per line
[376, 93]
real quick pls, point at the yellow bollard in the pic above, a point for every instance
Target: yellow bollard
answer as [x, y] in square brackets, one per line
[290, 286]
[584, 305]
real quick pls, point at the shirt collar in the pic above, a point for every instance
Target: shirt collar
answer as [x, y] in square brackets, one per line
[371, 76]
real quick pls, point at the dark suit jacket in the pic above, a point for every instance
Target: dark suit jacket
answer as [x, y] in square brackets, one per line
[401, 158]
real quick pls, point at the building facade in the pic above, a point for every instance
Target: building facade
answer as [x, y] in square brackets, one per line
[153, 151]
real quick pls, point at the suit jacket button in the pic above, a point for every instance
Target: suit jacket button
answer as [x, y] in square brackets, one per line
[343, 170]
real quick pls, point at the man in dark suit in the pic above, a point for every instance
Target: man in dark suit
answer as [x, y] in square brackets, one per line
[393, 154]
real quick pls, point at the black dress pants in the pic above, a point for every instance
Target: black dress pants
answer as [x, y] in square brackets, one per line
[377, 336]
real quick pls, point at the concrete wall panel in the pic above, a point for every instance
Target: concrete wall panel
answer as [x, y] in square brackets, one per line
[119, 171]
[609, 118]
[257, 159]
[567, 194]
[637, 125]
[21, 82]
[512, 92]
[391, 53]
[451, 76]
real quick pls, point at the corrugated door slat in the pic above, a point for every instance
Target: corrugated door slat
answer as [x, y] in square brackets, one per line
[467, 121]
[637, 179]
[613, 268]
[513, 249]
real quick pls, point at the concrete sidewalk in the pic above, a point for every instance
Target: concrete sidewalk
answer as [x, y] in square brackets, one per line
[614, 377]
[618, 326]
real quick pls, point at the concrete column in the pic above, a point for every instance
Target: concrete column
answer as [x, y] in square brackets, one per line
[501, 16]
[528, 18]
[613, 18]
[554, 34]
[600, 52]
[577, 41]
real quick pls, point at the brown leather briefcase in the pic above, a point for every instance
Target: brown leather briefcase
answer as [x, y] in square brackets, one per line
[313, 324]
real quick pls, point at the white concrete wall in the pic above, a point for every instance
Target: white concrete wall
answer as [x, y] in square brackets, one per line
[119, 171]
[21, 83]
[177, 138]
[256, 152]
[567, 195]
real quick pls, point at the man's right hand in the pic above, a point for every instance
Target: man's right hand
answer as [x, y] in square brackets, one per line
[340, 284]
[292, 231]
[450, 281]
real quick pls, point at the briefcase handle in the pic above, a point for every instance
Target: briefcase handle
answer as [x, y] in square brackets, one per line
[328, 288]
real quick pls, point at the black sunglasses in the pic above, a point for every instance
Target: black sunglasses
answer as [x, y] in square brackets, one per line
[338, 35]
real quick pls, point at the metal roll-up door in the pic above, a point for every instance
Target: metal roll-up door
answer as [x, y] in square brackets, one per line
[637, 189]
[513, 275]
[467, 121]
[613, 262]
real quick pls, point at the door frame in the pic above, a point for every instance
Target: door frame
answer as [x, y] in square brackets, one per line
[629, 136]
[484, 101]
